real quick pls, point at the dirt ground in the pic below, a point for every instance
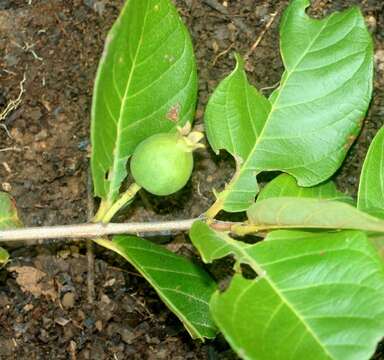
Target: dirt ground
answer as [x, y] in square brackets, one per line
[44, 154]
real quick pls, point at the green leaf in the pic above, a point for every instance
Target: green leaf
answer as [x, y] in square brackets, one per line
[236, 102]
[371, 188]
[377, 241]
[8, 219]
[8, 212]
[234, 119]
[146, 84]
[288, 212]
[317, 293]
[4, 256]
[285, 185]
[315, 113]
[183, 286]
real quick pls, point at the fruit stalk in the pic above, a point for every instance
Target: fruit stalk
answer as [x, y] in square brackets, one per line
[123, 200]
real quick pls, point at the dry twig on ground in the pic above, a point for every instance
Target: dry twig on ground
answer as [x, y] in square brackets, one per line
[261, 35]
[214, 4]
[13, 104]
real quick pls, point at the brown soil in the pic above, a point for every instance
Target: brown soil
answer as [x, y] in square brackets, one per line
[44, 164]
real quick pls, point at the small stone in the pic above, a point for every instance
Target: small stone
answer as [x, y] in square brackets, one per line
[62, 321]
[81, 315]
[28, 307]
[110, 282]
[372, 23]
[7, 187]
[79, 279]
[68, 300]
[99, 325]
[105, 299]
[379, 60]
[83, 145]
[42, 135]
[72, 348]
[89, 322]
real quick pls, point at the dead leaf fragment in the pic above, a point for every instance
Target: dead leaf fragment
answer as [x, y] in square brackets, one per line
[30, 280]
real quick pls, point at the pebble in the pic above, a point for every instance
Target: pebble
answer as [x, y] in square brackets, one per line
[110, 282]
[6, 186]
[105, 299]
[371, 23]
[68, 300]
[89, 322]
[99, 325]
[62, 321]
[379, 60]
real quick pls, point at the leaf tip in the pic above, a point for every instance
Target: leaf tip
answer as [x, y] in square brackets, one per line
[239, 60]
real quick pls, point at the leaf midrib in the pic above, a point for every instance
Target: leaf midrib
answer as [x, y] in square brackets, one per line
[371, 223]
[274, 106]
[117, 148]
[256, 266]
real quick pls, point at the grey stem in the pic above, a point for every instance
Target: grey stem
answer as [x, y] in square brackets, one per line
[99, 230]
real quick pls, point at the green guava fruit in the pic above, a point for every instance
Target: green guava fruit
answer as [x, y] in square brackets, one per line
[162, 163]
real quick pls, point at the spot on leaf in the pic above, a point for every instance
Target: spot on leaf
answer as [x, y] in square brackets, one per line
[173, 113]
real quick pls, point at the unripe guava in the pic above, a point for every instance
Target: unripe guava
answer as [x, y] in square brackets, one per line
[162, 163]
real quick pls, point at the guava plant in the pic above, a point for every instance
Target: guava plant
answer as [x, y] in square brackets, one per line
[319, 287]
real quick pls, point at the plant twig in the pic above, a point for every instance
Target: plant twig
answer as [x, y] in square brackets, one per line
[261, 35]
[91, 230]
[13, 104]
[107, 211]
[214, 209]
[90, 252]
[214, 4]
[222, 53]
[12, 148]
[125, 199]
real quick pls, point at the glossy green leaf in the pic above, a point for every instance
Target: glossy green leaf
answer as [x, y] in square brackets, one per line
[317, 295]
[8, 212]
[146, 84]
[235, 102]
[315, 113]
[234, 119]
[377, 241]
[288, 212]
[183, 286]
[371, 188]
[285, 185]
[4, 256]
[8, 219]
